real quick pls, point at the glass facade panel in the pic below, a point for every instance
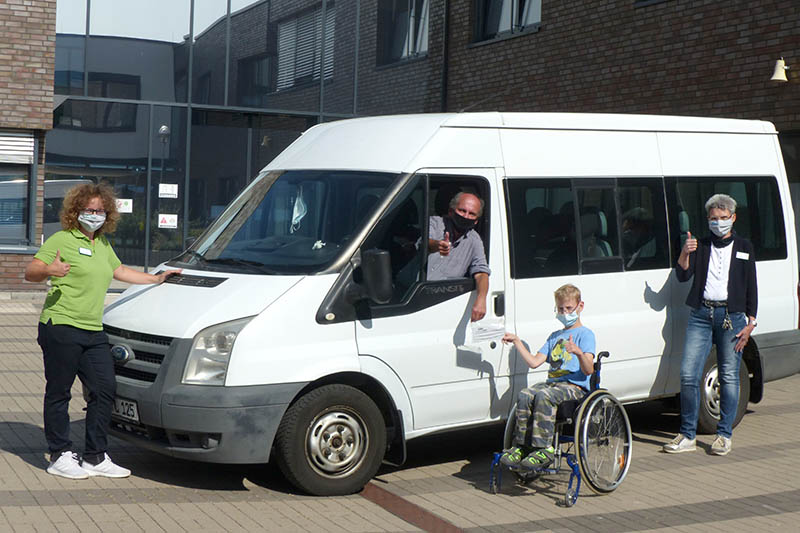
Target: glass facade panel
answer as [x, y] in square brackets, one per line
[228, 150]
[210, 52]
[168, 164]
[339, 88]
[69, 64]
[139, 49]
[252, 67]
[294, 60]
[87, 146]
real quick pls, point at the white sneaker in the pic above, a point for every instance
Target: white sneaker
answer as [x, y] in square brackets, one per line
[67, 466]
[721, 446]
[106, 468]
[680, 444]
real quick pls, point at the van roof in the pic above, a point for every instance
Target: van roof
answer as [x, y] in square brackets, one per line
[605, 122]
[393, 142]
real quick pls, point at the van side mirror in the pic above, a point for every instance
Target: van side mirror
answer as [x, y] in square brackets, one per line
[376, 268]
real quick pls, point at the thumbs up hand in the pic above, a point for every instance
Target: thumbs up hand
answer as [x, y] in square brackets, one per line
[571, 347]
[444, 244]
[58, 268]
[690, 245]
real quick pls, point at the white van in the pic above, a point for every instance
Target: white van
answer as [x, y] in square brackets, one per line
[303, 329]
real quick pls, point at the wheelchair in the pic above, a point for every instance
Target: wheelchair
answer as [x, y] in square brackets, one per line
[593, 436]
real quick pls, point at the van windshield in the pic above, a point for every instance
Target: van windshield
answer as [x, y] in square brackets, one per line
[289, 222]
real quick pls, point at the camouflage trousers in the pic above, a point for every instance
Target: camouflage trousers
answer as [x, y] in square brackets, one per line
[536, 412]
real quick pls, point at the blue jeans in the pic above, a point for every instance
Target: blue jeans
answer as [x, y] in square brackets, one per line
[705, 327]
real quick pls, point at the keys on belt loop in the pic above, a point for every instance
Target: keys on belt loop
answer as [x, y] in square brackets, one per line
[726, 323]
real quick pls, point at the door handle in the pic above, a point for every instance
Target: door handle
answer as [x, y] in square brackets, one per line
[499, 304]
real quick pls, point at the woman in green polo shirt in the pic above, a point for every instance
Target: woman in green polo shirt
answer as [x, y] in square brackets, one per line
[80, 263]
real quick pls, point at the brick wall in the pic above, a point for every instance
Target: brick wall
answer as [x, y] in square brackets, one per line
[27, 58]
[703, 57]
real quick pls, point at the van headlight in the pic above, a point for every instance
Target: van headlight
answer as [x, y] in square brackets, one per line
[211, 351]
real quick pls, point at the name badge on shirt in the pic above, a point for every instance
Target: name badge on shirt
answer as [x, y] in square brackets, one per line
[85, 251]
[742, 255]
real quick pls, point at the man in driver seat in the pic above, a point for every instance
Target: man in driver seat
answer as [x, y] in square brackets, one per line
[456, 250]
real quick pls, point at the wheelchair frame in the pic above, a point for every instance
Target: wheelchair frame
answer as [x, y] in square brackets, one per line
[596, 420]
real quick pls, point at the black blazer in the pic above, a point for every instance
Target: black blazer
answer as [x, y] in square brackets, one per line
[742, 288]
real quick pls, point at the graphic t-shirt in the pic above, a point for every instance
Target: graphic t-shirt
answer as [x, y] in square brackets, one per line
[565, 366]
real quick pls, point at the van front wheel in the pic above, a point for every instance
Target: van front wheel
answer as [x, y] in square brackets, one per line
[709, 411]
[331, 441]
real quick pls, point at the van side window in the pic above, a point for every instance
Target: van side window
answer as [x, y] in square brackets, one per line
[644, 223]
[541, 218]
[403, 228]
[759, 215]
[400, 232]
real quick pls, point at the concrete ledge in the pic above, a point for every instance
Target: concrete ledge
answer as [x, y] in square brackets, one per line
[39, 296]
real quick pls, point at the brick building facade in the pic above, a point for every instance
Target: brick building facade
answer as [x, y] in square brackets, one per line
[27, 55]
[704, 58]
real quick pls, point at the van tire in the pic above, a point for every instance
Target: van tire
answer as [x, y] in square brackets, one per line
[331, 441]
[708, 416]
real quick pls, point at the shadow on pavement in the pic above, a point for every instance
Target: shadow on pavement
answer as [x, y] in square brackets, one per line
[27, 442]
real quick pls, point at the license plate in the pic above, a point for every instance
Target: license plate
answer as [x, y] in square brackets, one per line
[127, 409]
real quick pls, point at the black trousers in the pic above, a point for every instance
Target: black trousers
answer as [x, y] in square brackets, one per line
[68, 352]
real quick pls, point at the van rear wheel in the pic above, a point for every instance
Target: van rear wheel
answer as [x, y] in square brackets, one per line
[331, 441]
[709, 411]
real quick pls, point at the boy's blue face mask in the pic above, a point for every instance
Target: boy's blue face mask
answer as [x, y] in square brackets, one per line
[568, 320]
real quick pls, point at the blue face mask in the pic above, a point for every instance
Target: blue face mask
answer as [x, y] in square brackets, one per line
[720, 228]
[568, 320]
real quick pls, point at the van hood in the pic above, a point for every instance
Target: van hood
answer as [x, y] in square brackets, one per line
[182, 309]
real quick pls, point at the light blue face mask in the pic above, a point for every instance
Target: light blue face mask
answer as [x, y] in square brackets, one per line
[568, 320]
[720, 228]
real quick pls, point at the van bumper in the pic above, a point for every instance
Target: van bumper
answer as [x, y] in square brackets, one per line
[209, 424]
[779, 353]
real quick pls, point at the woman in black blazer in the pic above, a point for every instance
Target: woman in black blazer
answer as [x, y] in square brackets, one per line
[724, 302]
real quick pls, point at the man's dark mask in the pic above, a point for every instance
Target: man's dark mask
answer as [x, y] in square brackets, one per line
[463, 224]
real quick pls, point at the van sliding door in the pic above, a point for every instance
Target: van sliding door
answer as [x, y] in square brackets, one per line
[608, 237]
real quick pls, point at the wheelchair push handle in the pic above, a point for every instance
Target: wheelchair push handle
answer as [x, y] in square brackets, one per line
[594, 382]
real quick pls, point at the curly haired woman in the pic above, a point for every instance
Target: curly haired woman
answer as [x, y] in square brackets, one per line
[80, 262]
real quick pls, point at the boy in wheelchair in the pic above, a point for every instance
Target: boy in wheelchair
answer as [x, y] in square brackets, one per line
[570, 353]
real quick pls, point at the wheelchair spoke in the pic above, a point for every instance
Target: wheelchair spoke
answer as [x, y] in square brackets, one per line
[605, 443]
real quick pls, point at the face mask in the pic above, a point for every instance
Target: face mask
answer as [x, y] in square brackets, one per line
[720, 228]
[568, 320]
[91, 223]
[298, 212]
[463, 224]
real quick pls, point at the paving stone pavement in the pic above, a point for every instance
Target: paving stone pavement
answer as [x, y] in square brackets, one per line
[755, 488]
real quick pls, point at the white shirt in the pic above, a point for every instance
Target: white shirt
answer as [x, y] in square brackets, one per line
[719, 265]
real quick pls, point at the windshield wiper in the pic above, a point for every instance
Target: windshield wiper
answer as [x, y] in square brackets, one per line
[252, 265]
[200, 258]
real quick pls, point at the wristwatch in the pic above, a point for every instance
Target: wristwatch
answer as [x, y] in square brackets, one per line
[754, 323]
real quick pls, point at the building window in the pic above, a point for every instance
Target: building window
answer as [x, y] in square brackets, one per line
[494, 18]
[110, 85]
[254, 81]
[300, 48]
[402, 29]
[96, 116]
[13, 204]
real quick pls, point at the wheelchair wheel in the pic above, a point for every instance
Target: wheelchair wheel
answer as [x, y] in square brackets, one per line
[603, 441]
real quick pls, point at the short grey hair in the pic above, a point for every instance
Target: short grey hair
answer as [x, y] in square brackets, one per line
[457, 198]
[721, 201]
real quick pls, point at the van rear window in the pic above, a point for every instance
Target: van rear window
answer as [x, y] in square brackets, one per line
[759, 214]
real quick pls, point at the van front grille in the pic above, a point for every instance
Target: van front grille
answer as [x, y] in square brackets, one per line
[136, 336]
[132, 373]
[149, 352]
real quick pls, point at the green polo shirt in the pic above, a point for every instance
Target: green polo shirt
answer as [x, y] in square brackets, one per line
[77, 299]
